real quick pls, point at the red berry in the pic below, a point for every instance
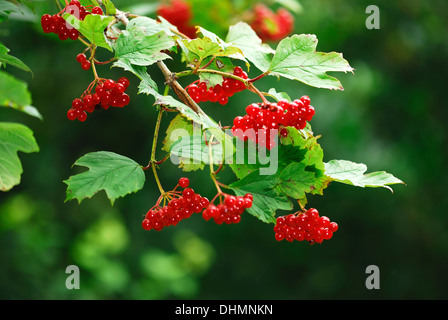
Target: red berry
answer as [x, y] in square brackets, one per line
[86, 65]
[71, 114]
[81, 57]
[184, 182]
[97, 10]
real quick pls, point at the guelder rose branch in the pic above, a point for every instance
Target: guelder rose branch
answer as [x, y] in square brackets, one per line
[270, 149]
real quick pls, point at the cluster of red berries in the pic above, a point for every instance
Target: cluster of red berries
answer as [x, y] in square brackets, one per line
[178, 13]
[230, 211]
[108, 93]
[176, 210]
[272, 26]
[56, 23]
[307, 226]
[82, 59]
[219, 93]
[262, 121]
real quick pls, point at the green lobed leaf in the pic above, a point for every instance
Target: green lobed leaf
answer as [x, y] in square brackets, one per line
[354, 174]
[244, 37]
[14, 94]
[296, 58]
[92, 27]
[140, 49]
[14, 137]
[117, 175]
[266, 199]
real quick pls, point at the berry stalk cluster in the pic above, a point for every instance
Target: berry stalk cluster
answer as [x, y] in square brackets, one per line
[230, 211]
[108, 93]
[261, 122]
[199, 91]
[308, 226]
[180, 207]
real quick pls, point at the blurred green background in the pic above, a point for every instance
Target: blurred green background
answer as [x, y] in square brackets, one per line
[391, 116]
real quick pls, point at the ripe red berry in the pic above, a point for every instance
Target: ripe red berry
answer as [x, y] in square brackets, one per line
[184, 182]
[81, 57]
[86, 65]
[97, 10]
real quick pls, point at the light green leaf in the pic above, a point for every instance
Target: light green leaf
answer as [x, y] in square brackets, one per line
[14, 94]
[353, 174]
[92, 27]
[115, 174]
[278, 95]
[206, 47]
[140, 49]
[244, 37]
[110, 8]
[151, 26]
[296, 58]
[14, 137]
[5, 58]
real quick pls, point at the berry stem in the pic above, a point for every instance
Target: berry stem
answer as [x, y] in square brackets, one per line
[258, 77]
[252, 88]
[153, 161]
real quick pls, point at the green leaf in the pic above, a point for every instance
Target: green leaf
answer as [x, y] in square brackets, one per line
[151, 26]
[354, 174]
[296, 58]
[266, 199]
[206, 47]
[115, 174]
[14, 94]
[296, 180]
[223, 64]
[7, 8]
[141, 72]
[92, 27]
[278, 95]
[110, 8]
[5, 58]
[179, 127]
[140, 49]
[14, 137]
[244, 37]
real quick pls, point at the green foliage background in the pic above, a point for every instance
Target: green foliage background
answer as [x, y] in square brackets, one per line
[391, 117]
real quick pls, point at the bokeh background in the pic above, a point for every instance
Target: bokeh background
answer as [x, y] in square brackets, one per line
[392, 116]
